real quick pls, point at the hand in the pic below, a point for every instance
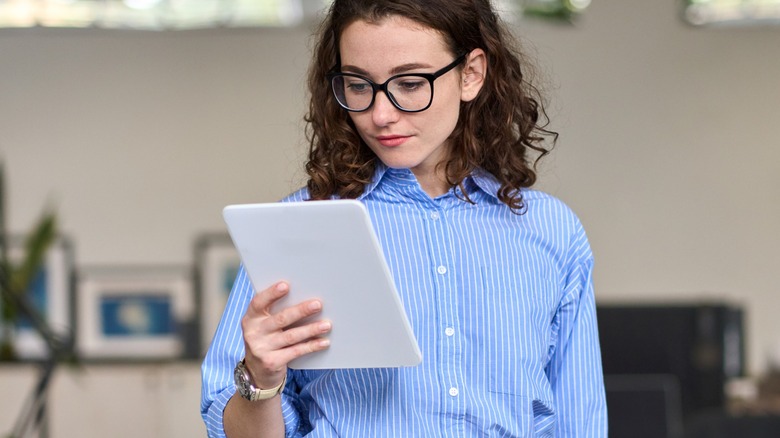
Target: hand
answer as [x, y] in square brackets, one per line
[271, 341]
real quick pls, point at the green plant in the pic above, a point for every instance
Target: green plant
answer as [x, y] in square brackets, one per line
[16, 278]
[15, 281]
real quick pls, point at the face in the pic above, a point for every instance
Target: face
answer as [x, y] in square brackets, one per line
[396, 45]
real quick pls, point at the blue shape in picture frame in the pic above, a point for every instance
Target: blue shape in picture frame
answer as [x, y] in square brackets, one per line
[38, 298]
[134, 315]
[229, 273]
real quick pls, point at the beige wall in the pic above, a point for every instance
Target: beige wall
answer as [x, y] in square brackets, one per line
[669, 149]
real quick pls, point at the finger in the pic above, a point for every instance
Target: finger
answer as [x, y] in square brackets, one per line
[270, 367]
[293, 352]
[291, 315]
[263, 300]
[298, 335]
[272, 356]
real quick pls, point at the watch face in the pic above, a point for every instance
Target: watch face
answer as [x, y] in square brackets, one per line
[242, 382]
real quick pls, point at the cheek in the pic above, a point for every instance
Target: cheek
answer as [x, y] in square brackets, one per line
[446, 101]
[442, 119]
[363, 126]
[361, 122]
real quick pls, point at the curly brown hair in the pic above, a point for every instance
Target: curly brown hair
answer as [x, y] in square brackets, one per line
[501, 131]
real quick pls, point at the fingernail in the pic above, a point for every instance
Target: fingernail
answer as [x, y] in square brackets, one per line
[281, 287]
[324, 326]
[315, 305]
[324, 342]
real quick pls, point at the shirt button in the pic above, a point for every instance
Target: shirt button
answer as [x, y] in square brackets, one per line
[435, 215]
[441, 270]
[449, 331]
[454, 391]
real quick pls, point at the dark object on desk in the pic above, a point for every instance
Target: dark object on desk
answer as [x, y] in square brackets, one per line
[719, 424]
[643, 406]
[745, 418]
[701, 345]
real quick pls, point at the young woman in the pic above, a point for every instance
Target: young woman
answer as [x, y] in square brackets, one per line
[420, 110]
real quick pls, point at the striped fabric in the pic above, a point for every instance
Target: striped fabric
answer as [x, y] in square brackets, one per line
[503, 309]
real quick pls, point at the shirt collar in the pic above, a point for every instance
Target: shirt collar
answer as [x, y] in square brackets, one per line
[486, 182]
[479, 179]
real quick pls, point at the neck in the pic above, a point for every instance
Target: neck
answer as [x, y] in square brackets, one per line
[432, 183]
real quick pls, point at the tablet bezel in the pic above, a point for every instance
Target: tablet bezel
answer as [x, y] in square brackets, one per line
[329, 250]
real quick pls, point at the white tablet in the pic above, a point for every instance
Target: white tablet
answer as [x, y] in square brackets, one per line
[328, 250]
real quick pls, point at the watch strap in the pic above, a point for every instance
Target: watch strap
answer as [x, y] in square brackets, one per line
[263, 394]
[252, 392]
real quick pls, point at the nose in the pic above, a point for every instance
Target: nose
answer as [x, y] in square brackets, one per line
[383, 112]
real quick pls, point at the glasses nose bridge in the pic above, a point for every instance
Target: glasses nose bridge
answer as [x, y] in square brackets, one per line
[383, 88]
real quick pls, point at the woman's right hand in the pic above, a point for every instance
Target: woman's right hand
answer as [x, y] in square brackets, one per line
[272, 340]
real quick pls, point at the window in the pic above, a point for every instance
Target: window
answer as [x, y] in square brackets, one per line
[198, 14]
[731, 12]
[157, 14]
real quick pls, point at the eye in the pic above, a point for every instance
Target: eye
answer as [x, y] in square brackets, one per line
[411, 84]
[358, 86]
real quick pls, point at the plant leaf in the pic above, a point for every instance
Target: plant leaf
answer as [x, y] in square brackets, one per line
[36, 245]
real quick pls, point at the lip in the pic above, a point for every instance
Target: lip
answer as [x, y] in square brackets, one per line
[392, 140]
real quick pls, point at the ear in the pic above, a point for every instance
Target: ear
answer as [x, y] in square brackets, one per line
[473, 75]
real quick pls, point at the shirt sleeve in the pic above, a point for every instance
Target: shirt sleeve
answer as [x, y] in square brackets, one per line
[226, 349]
[575, 370]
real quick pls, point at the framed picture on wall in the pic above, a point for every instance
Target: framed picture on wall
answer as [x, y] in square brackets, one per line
[50, 293]
[134, 313]
[217, 263]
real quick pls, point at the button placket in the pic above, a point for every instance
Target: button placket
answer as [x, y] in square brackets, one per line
[442, 258]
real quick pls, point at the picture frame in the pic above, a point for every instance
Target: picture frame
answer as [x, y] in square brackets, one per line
[51, 294]
[217, 263]
[134, 313]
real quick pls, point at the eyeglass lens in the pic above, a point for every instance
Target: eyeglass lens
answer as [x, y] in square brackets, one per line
[407, 92]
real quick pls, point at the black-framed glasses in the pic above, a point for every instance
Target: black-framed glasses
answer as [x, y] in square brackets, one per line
[409, 92]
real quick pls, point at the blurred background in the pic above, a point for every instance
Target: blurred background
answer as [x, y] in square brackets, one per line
[137, 131]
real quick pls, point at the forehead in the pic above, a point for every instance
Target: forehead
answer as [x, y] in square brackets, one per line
[392, 40]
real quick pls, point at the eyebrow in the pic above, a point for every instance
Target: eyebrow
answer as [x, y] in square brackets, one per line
[394, 71]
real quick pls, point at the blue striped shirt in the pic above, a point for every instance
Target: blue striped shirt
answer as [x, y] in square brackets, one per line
[501, 304]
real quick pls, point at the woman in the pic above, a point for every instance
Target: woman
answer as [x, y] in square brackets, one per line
[495, 277]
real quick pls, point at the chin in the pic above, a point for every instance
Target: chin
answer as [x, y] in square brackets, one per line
[398, 162]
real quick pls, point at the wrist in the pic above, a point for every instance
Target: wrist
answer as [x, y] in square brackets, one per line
[246, 387]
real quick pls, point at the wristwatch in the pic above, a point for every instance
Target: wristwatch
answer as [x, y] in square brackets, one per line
[248, 390]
